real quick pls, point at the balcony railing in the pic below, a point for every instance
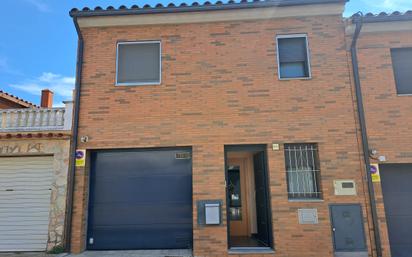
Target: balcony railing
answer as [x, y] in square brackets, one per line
[36, 119]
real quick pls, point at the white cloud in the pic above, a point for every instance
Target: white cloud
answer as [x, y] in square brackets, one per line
[60, 85]
[389, 5]
[39, 5]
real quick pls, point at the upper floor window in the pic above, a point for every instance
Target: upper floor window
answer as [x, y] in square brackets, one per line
[293, 56]
[402, 69]
[302, 169]
[138, 63]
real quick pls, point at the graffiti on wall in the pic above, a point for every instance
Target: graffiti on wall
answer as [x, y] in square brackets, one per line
[21, 148]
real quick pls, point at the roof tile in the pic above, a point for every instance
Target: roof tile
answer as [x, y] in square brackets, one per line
[195, 6]
[383, 16]
[18, 99]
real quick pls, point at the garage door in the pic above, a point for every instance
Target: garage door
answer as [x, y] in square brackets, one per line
[397, 195]
[140, 200]
[25, 184]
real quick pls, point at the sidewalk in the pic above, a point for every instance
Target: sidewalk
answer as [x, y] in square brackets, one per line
[31, 254]
[140, 253]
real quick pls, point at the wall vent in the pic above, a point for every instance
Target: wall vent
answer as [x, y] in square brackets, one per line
[308, 216]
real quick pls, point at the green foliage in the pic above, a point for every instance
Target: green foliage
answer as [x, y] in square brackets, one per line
[56, 250]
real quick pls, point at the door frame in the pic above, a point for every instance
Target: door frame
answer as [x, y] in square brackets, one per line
[363, 226]
[249, 148]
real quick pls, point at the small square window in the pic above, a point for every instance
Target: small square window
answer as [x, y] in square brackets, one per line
[138, 63]
[302, 169]
[402, 69]
[293, 57]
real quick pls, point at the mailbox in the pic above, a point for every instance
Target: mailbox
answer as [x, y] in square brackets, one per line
[209, 212]
[212, 213]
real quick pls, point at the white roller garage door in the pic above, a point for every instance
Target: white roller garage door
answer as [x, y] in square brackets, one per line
[25, 189]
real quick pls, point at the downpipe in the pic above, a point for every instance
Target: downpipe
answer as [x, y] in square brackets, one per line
[364, 136]
[72, 170]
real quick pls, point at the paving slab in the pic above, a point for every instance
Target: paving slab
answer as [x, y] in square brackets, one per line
[139, 253]
[30, 254]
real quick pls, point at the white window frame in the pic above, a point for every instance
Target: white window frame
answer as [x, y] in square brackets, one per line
[286, 36]
[139, 83]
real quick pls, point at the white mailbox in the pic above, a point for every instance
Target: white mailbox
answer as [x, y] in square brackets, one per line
[212, 214]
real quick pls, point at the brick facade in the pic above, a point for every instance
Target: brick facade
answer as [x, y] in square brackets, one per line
[388, 115]
[220, 87]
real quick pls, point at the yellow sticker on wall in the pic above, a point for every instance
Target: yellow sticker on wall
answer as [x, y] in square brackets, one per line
[80, 158]
[376, 177]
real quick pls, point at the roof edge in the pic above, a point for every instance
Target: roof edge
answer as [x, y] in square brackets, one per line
[194, 7]
[17, 100]
[383, 17]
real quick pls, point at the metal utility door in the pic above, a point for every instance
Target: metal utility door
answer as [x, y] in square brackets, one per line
[347, 228]
[140, 199]
[397, 195]
[25, 195]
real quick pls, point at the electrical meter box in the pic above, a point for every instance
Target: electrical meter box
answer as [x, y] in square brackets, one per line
[345, 187]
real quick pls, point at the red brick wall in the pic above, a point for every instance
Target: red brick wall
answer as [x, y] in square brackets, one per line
[388, 116]
[220, 87]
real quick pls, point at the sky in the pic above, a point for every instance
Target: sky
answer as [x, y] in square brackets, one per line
[38, 41]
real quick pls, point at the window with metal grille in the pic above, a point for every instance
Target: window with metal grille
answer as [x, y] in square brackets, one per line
[302, 169]
[293, 56]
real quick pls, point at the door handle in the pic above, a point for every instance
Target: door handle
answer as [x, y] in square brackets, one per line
[333, 229]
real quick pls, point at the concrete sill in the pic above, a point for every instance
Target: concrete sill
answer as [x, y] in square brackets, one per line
[251, 250]
[301, 78]
[351, 254]
[306, 200]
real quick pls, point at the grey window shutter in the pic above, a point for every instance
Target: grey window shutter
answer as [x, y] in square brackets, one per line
[402, 69]
[292, 49]
[138, 62]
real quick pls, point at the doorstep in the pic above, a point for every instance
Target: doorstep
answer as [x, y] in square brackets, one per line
[351, 254]
[136, 253]
[251, 250]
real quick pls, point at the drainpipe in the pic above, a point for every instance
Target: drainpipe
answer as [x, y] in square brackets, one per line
[72, 170]
[362, 122]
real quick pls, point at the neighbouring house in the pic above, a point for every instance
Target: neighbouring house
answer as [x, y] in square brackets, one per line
[385, 67]
[224, 128]
[8, 101]
[34, 161]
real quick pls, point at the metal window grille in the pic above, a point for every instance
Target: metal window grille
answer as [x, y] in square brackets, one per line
[302, 169]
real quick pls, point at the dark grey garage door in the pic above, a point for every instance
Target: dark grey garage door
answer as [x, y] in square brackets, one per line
[397, 195]
[140, 200]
